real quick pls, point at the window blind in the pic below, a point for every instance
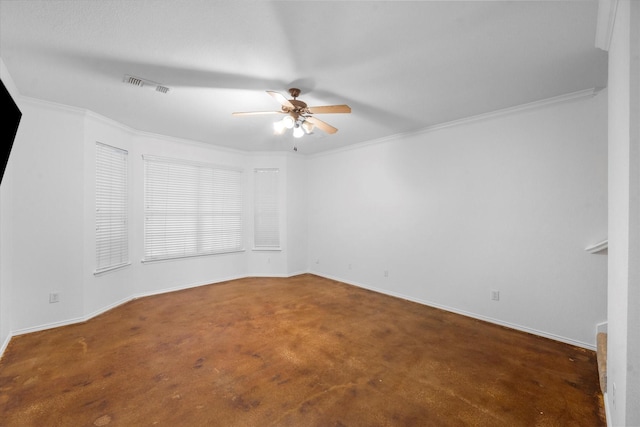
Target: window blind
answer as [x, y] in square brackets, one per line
[266, 229]
[191, 209]
[112, 225]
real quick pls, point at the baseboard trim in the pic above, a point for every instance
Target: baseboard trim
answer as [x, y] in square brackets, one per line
[360, 285]
[5, 344]
[132, 297]
[281, 276]
[51, 325]
[607, 410]
[465, 313]
[114, 305]
[183, 287]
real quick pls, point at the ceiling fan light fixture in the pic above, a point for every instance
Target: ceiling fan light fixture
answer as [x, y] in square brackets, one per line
[298, 116]
[307, 127]
[288, 122]
[278, 127]
[298, 132]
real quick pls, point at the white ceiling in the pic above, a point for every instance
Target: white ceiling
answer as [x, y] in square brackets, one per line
[400, 65]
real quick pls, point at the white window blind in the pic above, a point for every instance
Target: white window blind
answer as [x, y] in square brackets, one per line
[112, 225]
[191, 209]
[266, 229]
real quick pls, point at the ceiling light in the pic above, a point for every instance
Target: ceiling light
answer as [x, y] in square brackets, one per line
[288, 122]
[278, 127]
[298, 132]
[307, 126]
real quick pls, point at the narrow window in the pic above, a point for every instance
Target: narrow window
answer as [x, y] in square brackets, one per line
[191, 209]
[112, 225]
[266, 228]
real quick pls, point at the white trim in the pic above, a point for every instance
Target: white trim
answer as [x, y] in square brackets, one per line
[114, 305]
[466, 313]
[597, 247]
[110, 269]
[183, 287]
[192, 208]
[586, 93]
[605, 22]
[602, 327]
[273, 275]
[381, 291]
[296, 273]
[132, 297]
[196, 163]
[51, 325]
[497, 113]
[128, 129]
[607, 410]
[175, 258]
[5, 344]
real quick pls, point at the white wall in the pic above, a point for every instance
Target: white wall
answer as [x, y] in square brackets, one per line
[47, 215]
[153, 277]
[6, 231]
[507, 203]
[296, 209]
[267, 263]
[623, 354]
[47, 219]
[111, 288]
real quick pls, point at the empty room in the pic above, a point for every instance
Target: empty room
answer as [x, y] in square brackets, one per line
[320, 213]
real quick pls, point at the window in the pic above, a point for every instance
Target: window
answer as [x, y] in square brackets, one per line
[112, 225]
[191, 209]
[266, 228]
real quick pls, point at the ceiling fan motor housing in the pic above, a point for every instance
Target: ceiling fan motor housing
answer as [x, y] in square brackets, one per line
[295, 92]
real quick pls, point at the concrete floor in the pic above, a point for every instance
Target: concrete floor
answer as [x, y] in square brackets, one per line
[303, 351]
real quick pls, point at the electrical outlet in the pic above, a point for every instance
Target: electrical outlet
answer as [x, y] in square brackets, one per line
[495, 295]
[54, 297]
[386, 273]
[349, 266]
[318, 261]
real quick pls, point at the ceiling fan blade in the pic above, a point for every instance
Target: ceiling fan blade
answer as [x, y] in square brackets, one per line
[328, 109]
[281, 99]
[322, 125]
[256, 113]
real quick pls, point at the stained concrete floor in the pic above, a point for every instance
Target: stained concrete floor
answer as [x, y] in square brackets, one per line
[302, 351]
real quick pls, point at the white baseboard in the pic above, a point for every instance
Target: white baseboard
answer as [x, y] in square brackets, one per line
[465, 313]
[183, 287]
[360, 285]
[4, 345]
[282, 276]
[111, 306]
[607, 411]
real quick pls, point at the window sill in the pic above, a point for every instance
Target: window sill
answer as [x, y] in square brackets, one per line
[182, 257]
[110, 269]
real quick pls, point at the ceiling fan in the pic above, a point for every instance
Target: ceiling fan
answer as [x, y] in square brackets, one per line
[299, 116]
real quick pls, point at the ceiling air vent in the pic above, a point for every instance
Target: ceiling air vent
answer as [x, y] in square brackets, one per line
[137, 81]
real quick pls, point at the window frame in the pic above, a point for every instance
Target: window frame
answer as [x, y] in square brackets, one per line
[203, 213]
[111, 208]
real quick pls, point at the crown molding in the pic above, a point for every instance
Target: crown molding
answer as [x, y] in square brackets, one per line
[586, 93]
[604, 26]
